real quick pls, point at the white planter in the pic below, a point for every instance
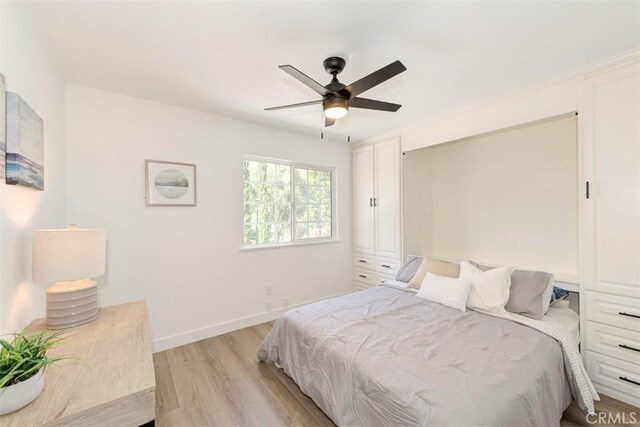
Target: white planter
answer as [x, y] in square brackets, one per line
[19, 395]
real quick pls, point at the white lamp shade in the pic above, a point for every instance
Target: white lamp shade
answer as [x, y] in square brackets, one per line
[64, 255]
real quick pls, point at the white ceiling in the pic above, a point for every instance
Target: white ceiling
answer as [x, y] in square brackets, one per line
[223, 57]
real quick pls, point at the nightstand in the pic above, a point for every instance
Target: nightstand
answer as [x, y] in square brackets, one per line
[116, 384]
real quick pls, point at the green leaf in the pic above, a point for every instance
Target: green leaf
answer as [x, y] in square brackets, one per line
[26, 355]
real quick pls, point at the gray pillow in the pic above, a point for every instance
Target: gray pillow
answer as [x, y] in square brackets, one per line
[409, 269]
[526, 294]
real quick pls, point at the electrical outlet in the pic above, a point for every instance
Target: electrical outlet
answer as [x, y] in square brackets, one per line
[268, 290]
[285, 302]
[269, 305]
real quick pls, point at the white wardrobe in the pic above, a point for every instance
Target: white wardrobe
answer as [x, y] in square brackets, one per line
[377, 209]
[610, 273]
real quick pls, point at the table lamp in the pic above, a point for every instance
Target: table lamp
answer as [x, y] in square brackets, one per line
[69, 257]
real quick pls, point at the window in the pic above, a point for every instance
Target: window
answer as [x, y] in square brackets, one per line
[312, 203]
[286, 202]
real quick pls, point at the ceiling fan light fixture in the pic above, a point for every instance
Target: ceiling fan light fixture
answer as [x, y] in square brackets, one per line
[335, 112]
[335, 108]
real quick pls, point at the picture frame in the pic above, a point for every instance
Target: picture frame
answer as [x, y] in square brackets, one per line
[170, 183]
[3, 126]
[24, 154]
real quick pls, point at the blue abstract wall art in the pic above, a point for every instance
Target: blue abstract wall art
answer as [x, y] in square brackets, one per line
[25, 144]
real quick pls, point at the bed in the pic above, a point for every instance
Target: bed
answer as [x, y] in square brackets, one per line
[383, 357]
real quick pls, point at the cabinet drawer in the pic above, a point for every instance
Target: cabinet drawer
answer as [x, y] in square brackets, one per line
[620, 343]
[616, 378]
[387, 266]
[364, 261]
[382, 278]
[364, 276]
[613, 310]
[359, 286]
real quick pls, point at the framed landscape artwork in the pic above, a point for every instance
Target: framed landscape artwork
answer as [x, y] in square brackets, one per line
[3, 124]
[170, 183]
[25, 144]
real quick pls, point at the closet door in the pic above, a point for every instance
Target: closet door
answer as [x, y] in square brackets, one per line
[612, 154]
[387, 198]
[363, 200]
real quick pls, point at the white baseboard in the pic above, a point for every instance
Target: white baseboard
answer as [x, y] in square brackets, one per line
[194, 335]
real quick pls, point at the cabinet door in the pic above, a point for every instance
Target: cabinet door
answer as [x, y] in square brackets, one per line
[363, 239]
[387, 198]
[612, 157]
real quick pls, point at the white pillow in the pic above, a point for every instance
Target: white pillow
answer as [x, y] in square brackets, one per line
[447, 291]
[489, 289]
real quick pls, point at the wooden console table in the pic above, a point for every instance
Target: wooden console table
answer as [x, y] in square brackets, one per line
[116, 385]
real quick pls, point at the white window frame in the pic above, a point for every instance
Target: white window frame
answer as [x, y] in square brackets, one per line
[294, 241]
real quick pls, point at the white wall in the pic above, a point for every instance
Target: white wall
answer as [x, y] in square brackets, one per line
[29, 72]
[507, 198]
[417, 210]
[185, 261]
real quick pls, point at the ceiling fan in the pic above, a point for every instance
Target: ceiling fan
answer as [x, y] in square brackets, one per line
[337, 97]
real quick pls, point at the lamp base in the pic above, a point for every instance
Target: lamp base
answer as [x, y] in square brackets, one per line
[71, 303]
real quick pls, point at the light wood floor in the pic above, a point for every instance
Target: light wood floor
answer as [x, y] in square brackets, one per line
[219, 382]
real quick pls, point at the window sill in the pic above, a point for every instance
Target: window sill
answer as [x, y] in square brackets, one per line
[287, 245]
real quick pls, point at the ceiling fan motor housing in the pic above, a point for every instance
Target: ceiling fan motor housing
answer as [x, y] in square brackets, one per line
[335, 102]
[334, 65]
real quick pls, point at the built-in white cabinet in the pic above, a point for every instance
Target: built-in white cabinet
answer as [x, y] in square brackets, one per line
[363, 191]
[386, 201]
[610, 289]
[377, 208]
[609, 224]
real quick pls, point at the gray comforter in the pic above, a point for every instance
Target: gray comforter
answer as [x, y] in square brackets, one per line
[383, 357]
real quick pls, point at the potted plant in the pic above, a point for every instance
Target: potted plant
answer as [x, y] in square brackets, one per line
[22, 362]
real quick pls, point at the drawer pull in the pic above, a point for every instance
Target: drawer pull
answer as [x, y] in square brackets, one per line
[628, 347]
[386, 266]
[362, 261]
[629, 381]
[363, 276]
[622, 313]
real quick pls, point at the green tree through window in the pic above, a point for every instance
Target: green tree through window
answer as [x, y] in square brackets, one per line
[279, 209]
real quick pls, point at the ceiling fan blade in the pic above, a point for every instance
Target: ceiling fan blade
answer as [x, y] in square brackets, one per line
[372, 104]
[301, 104]
[306, 80]
[375, 78]
[328, 122]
